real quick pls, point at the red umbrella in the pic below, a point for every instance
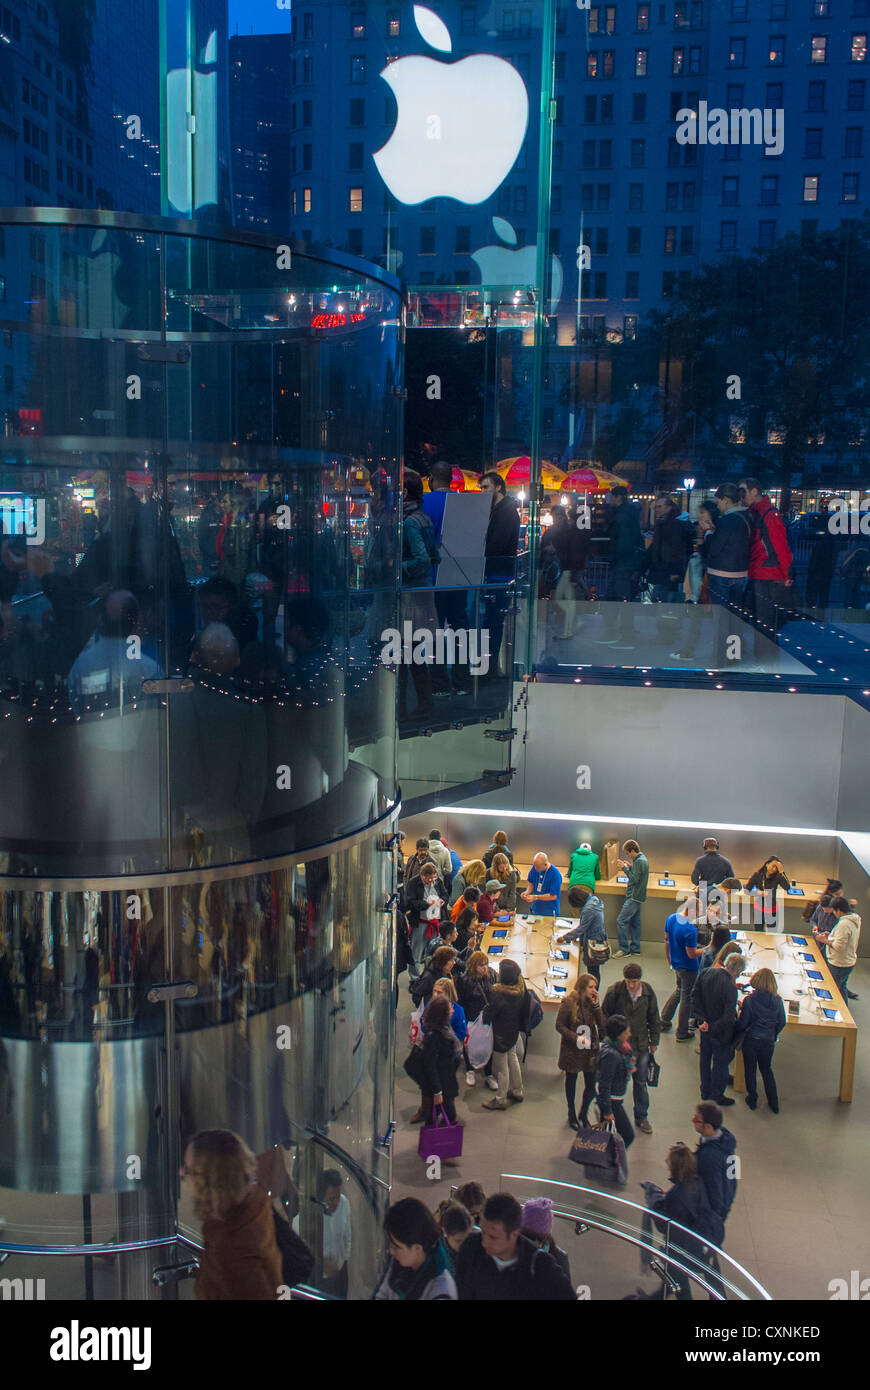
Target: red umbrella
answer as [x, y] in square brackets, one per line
[591, 480]
[457, 480]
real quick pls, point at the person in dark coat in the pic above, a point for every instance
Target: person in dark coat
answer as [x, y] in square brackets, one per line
[686, 1203]
[668, 554]
[759, 1024]
[523, 1274]
[714, 1155]
[505, 1012]
[442, 962]
[537, 1227]
[711, 867]
[714, 1005]
[580, 1010]
[474, 987]
[636, 1001]
[439, 1055]
[424, 894]
[499, 846]
[241, 1260]
[766, 881]
[615, 1066]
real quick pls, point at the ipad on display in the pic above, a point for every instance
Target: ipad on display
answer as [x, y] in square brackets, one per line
[822, 993]
[495, 951]
[499, 934]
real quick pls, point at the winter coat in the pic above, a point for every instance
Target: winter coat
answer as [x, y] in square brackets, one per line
[404, 955]
[714, 1002]
[641, 1015]
[615, 1067]
[668, 555]
[725, 551]
[770, 555]
[535, 1277]
[489, 854]
[710, 868]
[506, 1011]
[415, 900]
[507, 897]
[572, 1058]
[421, 988]
[503, 531]
[626, 550]
[474, 995]
[687, 1203]
[762, 1017]
[438, 1068]
[440, 856]
[432, 1282]
[720, 1181]
[241, 1260]
[584, 868]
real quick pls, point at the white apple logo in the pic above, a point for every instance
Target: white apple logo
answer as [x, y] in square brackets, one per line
[498, 265]
[460, 125]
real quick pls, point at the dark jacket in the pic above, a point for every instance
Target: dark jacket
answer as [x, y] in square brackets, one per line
[535, 1278]
[507, 895]
[767, 883]
[489, 854]
[714, 1002]
[715, 1172]
[614, 1069]
[241, 1260]
[404, 956]
[571, 545]
[474, 995]
[668, 555]
[415, 864]
[591, 927]
[711, 867]
[503, 531]
[415, 899]
[505, 1012]
[687, 1203]
[421, 988]
[726, 549]
[438, 1070]
[642, 1016]
[625, 550]
[762, 1017]
[572, 1058]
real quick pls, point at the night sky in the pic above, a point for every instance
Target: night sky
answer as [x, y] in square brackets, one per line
[263, 16]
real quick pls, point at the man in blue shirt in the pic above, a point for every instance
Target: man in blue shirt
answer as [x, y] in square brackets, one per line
[681, 946]
[545, 888]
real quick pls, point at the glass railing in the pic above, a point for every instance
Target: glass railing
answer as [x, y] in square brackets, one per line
[616, 1249]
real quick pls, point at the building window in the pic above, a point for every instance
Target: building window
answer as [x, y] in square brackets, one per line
[355, 241]
[556, 198]
[852, 147]
[632, 284]
[306, 200]
[555, 241]
[605, 154]
[588, 154]
[779, 9]
[557, 154]
[773, 98]
[638, 106]
[820, 9]
[769, 190]
[813, 143]
[819, 48]
[633, 237]
[734, 95]
[593, 20]
[306, 157]
[591, 64]
[816, 96]
[307, 70]
[737, 53]
[687, 241]
[520, 198]
[641, 58]
[637, 155]
[635, 197]
[695, 59]
[599, 283]
[603, 197]
[776, 51]
[669, 280]
[681, 15]
[307, 113]
[467, 19]
[766, 235]
[394, 25]
[427, 241]
[642, 20]
[607, 110]
[559, 65]
[587, 197]
[727, 236]
[730, 191]
[357, 111]
[678, 61]
[670, 245]
[739, 9]
[609, 57]
[629, 325]
[855, 95]
[850, 188]
[355, 155]
[293, 202]
[308, 26]
[672, 195]
[859, 48]
[601, 240]
[811, 188]
[357, 67]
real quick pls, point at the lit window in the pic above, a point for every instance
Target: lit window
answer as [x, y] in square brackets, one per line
[819, 48]
[820, 9]
[850, 188]
[678, 61]
[776, 51]
[641, 58]
[670, 241]
[306, 200]
[811, 188]
[393, 24]
[642, 24]
[356, 200]
[859, 48]
[681, 15]
[593, 20]
[737, 53]
[591, 64]
[609, 61]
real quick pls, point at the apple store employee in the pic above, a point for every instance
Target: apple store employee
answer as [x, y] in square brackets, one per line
[545, 887]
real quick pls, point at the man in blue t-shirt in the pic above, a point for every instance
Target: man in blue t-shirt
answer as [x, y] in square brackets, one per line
[681, 946]
[545, 888]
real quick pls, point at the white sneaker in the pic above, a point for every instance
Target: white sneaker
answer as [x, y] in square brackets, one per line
[617, 954]
[492, 1083]
[470, 1079]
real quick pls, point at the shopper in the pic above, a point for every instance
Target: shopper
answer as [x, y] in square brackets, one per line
[683, 952]
[472, 1196]
[841, 945]
[714, 1002]
[240, 1260]
[505, 1012]
[615, 1066]
[591, 931]
[473, 874]
[425, 900]
[544, 892]
[687, 1203]
[580, 1024]
[711, 867]
[721, 936]
[636, 1001]
[584, 867]
[468, 933]
[446, 989]
[337, 1235]
[717, 1166]
[475, 992]
[823, 920]
[443, 962]
[440, 1052]
[668, 553]
[770, 557]
[419, 1268]
[499, 846]
[765, 881]
[725, 554]
[759, 1024]
[628, 925]
[455, 1224]
[447, 936]
[537, 1226]
[488, 899]
[440, 855]
[500, 550]
[469, 898]
[419, 555]
[498, 1264]
[416, 861]
[508, 878]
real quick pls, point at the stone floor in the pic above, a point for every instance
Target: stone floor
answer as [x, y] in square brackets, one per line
[801, 1216]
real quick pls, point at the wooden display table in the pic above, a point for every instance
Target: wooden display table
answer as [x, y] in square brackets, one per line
[682, 889]
[790, 984]
[528, 942]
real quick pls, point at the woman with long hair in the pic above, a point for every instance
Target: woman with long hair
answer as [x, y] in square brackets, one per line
[579, 1050]
[472, 874]
[241, 1260]
[506, 1011]
[499, 846]
[508, 877]
[475, 992]
[759, 1024]
[686, 1203]
[766, 881]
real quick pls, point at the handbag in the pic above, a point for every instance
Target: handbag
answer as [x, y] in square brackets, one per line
[414, 1031]
[440, 1140]
[479, 1042]
[593, 1148]
[598, 952]
[653, 1072]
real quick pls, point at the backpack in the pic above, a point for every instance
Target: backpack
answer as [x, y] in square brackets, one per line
[297, 1261]
[533, 1012]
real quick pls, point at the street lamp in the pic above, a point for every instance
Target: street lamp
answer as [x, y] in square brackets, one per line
[688, 484]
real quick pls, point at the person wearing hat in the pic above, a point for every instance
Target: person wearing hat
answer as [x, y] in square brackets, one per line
[584, 868]
[537, 1226]
[488, 900]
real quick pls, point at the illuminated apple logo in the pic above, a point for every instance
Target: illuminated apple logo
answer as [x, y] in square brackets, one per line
[499, 265]
[460, 125]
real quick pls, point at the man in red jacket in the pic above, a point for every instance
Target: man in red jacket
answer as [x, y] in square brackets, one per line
[770, 557]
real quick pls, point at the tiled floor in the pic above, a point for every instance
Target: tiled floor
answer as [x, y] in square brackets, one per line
[802, 1213]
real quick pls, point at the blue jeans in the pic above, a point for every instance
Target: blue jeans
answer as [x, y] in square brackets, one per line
[715, 1058]
[841, 975]
[759, 1051]
[640, 1088]
[628, 927]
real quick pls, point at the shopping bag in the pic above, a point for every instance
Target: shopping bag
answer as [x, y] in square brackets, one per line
[478, 1044]
[440, 1140]
[594, 1149]
[653, 1072]
[414, 1031]
[609, 859]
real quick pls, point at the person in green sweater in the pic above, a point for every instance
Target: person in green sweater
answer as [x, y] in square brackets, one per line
[584, 867]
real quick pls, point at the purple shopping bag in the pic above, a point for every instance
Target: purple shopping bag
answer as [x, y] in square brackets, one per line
[440, 1140]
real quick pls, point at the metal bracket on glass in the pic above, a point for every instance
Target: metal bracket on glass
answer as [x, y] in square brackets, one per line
[391, 902]
[387, 1140]
[173, 686]
[386, 842]
[495, 774]
[173, 1274]
[182, 989]
[500, 735]
[580, 1228]
[177, 356]
[656, 1267]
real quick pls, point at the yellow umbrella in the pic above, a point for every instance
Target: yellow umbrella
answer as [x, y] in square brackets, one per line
[603, 478]
[517, 472]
